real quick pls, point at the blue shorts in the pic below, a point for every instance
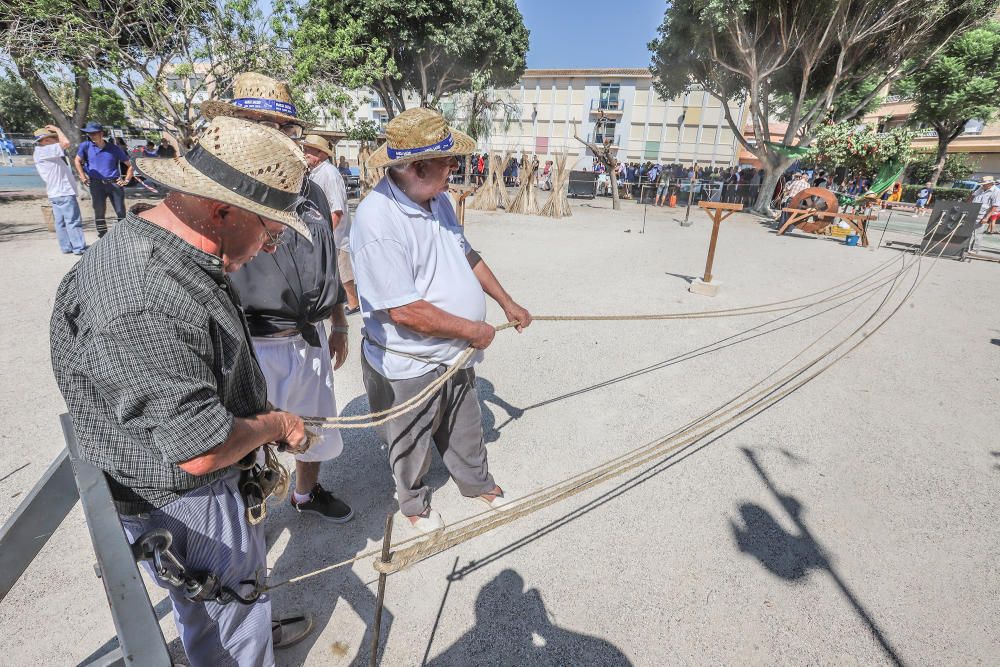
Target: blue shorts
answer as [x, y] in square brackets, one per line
[921, 203]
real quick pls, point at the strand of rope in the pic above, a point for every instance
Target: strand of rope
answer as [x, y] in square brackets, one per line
[373, 419]
[473, 526]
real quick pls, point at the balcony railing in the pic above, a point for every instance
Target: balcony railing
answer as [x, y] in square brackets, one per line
[608, 106]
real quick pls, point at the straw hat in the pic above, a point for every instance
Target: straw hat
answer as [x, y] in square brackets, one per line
[237, 162]
[256, 97]
[319, 143]
[987, 180]
[43, 133]
[419, 134]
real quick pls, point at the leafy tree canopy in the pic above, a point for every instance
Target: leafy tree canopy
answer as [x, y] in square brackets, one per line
[805, 61]
[957, 167]
[20, 110]
[431, 47]
[107, 107]
[860, 148]
[961, 83]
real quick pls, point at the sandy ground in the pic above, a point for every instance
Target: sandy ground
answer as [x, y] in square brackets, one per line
[853, 523]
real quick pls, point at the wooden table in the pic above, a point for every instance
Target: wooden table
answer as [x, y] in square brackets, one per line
[717, 211]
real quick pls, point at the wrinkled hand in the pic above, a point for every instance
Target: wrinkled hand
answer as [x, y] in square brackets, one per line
[484, 336]
[293, 435]
[516, 313]
[338, 349]
[121, 182]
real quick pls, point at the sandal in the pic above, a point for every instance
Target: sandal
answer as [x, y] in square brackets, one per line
[283, 636]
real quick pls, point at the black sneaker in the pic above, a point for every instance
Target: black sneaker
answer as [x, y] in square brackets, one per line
[323, 503]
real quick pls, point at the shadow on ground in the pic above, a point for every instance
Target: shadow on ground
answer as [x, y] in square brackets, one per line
[361, 476]
[514, 628]
[792, 555]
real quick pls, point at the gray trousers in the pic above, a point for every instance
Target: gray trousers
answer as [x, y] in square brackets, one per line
[211, 533]
[451, 419]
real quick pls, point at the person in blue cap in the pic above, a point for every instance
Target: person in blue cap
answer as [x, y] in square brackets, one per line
[97, 164]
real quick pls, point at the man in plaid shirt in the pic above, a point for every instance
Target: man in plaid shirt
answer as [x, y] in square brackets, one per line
[151, 352]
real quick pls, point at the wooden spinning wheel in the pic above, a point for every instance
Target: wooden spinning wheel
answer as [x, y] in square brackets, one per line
[813, 201]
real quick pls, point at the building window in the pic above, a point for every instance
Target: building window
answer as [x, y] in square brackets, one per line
[605, 131]
[609, 96]
[652, 151]
[542, 145]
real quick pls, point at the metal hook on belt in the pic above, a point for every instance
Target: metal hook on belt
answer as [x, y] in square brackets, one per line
[200, 586]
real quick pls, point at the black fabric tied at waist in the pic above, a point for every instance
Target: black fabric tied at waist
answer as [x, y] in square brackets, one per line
[310, 333]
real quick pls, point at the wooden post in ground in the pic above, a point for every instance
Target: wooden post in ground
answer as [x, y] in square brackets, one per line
[380, 600]
[717, 211]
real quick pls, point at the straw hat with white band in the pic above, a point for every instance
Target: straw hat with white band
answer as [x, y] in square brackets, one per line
[256, 97]
[419, 134]
[44, 133]
[318, 142]
[238, 162]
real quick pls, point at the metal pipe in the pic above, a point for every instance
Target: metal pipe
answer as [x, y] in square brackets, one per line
[380, 599]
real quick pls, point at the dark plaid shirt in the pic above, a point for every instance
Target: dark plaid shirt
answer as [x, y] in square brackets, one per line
[151, 352]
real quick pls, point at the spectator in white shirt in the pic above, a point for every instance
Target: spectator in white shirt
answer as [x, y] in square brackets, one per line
[322, 172]
[50, 161]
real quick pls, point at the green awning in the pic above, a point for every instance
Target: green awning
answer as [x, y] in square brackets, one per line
[788, 151]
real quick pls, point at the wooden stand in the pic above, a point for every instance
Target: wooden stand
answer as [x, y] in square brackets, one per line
[813, 221]
[460, 193]
[717, 211]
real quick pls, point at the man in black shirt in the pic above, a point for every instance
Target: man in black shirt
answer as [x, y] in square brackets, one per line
[288, 297]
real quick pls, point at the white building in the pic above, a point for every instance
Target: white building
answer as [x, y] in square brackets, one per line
[547, 102]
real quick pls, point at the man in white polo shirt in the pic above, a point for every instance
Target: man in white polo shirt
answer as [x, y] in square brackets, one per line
[50, 161]
[423, 299]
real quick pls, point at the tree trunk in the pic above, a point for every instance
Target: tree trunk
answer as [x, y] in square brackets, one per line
[942, 156]
[775, 167]
[612, 171]
[465, 172]
[70, 125]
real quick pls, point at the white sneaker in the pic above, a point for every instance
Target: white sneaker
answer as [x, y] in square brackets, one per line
[428, 522]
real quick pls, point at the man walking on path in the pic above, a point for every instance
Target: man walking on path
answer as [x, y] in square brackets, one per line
[150, 352]
[423, 299]
[288, 296]
[50, 161]
[97, 163]
[322, 172]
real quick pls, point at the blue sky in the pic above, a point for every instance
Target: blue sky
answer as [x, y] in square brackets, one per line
[590, 33]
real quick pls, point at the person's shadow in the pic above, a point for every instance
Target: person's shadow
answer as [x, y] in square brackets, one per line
[361, 477]
[792, 555]
[513, 628]
[487, 394]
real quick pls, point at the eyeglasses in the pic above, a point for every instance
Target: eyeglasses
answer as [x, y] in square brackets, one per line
[273, 240]
[291, 130]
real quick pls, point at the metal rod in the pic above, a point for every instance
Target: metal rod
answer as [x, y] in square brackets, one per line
[884, 229]
[380, 600]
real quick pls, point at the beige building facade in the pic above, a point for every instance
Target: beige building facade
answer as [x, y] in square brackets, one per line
[548, 104]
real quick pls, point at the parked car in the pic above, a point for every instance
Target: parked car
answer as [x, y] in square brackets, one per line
[965, 185]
